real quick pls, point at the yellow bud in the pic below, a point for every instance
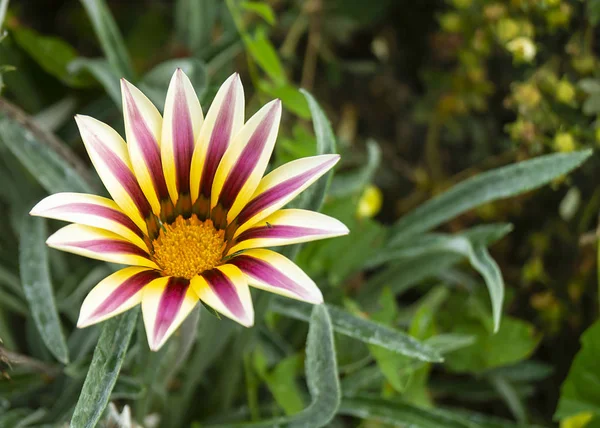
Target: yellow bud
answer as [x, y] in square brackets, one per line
[451, 22]
[370, 202]
[522, 48]
[584, 64]
[565, 92]
[564, 142]
[527, 96]
[507, 29]
[559, 17]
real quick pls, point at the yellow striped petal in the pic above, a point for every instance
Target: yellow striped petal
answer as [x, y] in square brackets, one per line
[290, 226]
[99, 244]
[270, 271]
[223, 121]
[143, 125]
[90, 210]
[181, 125]
[166, 302]
[281, 186]
[245, 161]
[115, 294]
[110, 157]
[225, 289]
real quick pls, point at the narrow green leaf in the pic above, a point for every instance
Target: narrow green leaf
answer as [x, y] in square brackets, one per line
[264, 10]
[361, 329]
[312, 198]
[103, 73]
[315, 195]
[321, 377]
[355, 181]
[511, 397]
[35, 277]
[48, 160]
[486, 187]
[194, 21]
[104, 370]
[109, 36]
[265, 54]
[399, 414]
[52, 54]
[476, 253]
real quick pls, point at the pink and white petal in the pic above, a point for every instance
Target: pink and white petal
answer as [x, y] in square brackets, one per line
[166, 302]
[225, 289]
[115, 294]
[270, 271]
[89, 210]
[108, 152]
[290, 226]
[143, 125]
[180, 128]
[223, 121]
[99, 244]
[245, 161]
[281, 186]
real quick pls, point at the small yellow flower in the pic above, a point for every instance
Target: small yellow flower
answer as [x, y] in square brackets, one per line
[522, 48]
[564, 142]
[190, 211]
[370, 202]
[565, 92]
[507, 29]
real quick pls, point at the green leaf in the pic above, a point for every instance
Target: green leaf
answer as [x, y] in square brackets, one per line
[194, 21]
[314, 196]
[580, 392]
[362, 329]
[355, 181]
[321, 377]
[476, 253]
[103, 73]
[51, 53]
[156, 82]
[48, 160]
[486, 187]
[515, 341]
[262, 9]
[400, 414]
[104, 370]
[290, 96]
[35, 277]
[264, 53]
[109, 36]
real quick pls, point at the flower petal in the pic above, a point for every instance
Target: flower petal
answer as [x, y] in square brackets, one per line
[89, 210]
[115, 294]
[270, 271]
[143, 125]
[180, 128]
[166, 302]
[225, 289]
[99, 244]
[281, 186]
[245, 162]
[108, 153]
[223, 121]
[289, 226]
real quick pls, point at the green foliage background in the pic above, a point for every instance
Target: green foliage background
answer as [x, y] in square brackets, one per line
[460, 302]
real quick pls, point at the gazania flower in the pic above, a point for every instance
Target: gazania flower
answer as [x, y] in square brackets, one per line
[191, 211]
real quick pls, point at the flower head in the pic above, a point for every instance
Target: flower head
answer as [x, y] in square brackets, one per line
[191, 211]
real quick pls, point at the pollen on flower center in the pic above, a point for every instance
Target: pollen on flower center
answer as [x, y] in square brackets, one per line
[186, 248]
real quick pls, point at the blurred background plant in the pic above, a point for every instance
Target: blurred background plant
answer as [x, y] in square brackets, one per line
[432, 104]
